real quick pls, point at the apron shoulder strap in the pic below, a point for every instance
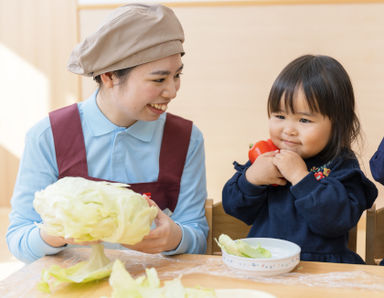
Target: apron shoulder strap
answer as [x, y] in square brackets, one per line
[69, 141]
[174, 148]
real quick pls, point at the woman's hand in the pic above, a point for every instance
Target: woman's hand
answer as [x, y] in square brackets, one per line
[166, 236]
[264, 172]
[57, 241]
[290, 165]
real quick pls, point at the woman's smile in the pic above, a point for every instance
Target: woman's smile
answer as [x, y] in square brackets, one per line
[158, 108]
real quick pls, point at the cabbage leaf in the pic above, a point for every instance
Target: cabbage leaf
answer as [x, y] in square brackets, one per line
[242, 248]
[98, 266]
[124, 285]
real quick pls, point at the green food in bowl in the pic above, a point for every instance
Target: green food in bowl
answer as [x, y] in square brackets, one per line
[241, 248]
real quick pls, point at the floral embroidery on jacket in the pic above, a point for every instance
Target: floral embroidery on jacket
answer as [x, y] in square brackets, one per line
[321, 172]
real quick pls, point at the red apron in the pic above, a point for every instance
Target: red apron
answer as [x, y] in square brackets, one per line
[72, 160]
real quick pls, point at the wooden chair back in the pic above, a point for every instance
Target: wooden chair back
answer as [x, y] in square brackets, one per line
[208, 216]
[220, 222]
[352, 239]
[374, 237]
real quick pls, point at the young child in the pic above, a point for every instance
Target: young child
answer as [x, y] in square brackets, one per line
[121, 133]
[321, 191]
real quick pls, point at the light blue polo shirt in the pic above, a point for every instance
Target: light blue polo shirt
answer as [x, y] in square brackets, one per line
[113, 153]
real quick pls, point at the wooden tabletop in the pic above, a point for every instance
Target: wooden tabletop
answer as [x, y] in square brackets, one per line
[308, 279]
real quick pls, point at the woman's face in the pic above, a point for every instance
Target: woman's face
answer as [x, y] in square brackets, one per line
[304, 132]
[146, 92]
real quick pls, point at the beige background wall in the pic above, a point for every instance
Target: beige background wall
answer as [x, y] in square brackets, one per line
[35, 39]
[233, 55]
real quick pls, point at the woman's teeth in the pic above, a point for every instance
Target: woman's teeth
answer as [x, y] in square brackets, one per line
[162, 107]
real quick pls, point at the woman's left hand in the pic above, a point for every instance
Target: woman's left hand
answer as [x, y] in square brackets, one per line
[166, 236]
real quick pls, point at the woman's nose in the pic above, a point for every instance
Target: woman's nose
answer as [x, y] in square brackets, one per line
[170, 90]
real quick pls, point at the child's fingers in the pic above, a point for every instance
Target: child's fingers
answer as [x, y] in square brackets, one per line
[280, 181]
[270, 153]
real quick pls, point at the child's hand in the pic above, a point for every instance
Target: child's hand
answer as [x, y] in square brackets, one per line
[290, 165]
[264, 172]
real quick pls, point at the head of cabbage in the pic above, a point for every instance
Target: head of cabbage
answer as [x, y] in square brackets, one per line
[86, 210]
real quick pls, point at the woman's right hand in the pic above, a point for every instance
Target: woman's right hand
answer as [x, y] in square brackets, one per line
[264, 172]
[58, 241]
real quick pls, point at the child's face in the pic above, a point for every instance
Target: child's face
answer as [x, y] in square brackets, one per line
[304, 132]
[147, 91]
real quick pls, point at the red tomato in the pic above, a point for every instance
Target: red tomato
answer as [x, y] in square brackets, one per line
[259, 148]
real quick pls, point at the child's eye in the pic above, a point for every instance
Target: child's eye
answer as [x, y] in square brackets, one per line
[304, 120]
[279, 116]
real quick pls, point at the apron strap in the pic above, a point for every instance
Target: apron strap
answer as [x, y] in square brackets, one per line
[71, 156]
[174, 148]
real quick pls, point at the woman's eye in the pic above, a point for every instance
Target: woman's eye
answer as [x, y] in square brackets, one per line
[177, 76]
[159, 80]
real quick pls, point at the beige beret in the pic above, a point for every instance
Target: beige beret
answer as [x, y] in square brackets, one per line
[132, 35]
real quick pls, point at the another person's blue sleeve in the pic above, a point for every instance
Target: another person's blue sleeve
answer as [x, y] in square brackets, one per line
[37, 170]
[376, 163]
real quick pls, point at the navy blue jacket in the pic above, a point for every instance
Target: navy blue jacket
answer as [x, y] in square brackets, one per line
[376, 164]
[315, 214]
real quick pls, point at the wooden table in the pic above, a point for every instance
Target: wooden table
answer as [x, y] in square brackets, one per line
[308, 279]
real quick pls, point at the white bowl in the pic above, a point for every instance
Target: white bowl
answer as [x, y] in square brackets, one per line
[234, 293]
[285, 257]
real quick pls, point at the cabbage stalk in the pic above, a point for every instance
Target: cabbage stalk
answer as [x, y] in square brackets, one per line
[86, 210]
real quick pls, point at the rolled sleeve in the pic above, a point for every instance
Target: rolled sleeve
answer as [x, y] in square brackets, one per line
[188, 240]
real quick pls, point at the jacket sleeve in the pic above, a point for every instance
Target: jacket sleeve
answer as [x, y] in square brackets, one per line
[333, 205]
[241, 198]
[376, 163]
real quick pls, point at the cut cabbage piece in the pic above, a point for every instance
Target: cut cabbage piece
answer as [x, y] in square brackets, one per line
[148, 286]
[225, 242]
[86, 210]
[97, 267]
[242, 248]
[251, 251]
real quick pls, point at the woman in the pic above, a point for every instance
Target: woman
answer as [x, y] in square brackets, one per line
[121, 133]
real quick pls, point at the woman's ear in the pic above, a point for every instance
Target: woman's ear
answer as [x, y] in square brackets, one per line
[107, 79]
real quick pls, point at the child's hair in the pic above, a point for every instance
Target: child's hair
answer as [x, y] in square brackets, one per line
[328, 90]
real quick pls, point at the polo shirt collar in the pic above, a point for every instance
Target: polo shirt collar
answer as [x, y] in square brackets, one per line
[99, 125]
